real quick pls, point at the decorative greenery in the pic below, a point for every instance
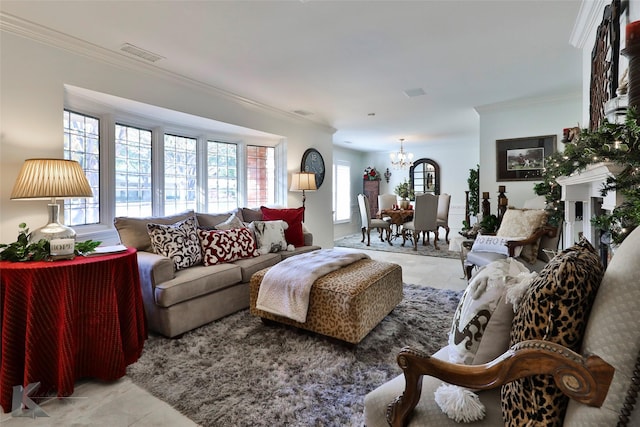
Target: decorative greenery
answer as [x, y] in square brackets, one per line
[489, 224]
[21, 250]
[86, 247]
[611, 142]
[404, 190]
[474, 190]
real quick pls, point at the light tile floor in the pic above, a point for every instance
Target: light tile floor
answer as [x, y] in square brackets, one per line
[121, 403]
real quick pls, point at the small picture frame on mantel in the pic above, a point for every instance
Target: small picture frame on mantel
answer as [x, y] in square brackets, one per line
[522, 159]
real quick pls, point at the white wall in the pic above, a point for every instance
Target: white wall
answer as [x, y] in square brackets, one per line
[358, 162]
[454, 156]
[533, 117]
[32, 100]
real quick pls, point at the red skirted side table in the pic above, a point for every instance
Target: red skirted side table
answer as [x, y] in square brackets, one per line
[66, 320]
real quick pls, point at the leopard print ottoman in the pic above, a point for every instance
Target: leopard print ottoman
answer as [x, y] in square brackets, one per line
[347, 303]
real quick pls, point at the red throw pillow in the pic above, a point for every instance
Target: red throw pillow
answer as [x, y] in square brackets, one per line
[220, 246]
[293, 217]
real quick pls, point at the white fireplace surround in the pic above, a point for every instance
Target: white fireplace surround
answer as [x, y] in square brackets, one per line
[585, 186]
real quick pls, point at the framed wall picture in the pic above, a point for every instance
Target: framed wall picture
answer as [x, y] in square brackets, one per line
[522, 159]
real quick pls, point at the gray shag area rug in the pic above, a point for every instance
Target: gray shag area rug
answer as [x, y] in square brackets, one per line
[238, 372]
[354, 241]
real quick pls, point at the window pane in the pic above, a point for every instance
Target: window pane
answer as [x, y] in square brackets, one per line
[180, 171]
[222, 184]
[342, 192]
[133, 171]
[260, 175]
[81, 143]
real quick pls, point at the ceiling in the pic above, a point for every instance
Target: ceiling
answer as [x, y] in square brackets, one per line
[347, 64]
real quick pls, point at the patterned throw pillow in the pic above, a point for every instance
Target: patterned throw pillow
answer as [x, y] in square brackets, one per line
[177, 241]
[555, 308]
[270, 235]
[522, 223]
[232, 222]
[220, 246]
[480, 301]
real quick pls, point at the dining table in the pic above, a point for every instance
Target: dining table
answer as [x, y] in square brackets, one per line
[398, 217]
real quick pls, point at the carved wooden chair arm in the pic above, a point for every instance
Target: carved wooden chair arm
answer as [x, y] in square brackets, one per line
[585, 379]
[538, 233]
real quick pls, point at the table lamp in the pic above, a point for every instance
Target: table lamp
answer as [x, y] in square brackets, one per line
[50, 179]
[303, 181]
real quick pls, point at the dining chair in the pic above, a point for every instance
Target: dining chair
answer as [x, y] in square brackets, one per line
[444, 201]
[368, 223]
[425, 219]
[386, 201]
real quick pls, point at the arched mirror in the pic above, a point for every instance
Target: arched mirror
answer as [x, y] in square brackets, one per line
[424, 177]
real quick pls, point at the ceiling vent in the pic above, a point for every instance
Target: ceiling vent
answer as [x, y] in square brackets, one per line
[412, 93]
[141, 53]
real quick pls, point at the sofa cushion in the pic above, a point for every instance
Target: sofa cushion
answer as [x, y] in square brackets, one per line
[293, 218]
[226, 245]
[522, 223]
[196, 281]
[250, 215]
[249, 266]
[230, 223]
[177, 241]
[209, 221]
[270, 235]
[555, 308]
[133, 231]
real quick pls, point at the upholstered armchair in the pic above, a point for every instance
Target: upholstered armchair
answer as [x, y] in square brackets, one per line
[599, 374]
[523, 234]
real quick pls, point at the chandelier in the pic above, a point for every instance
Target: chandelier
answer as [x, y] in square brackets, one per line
[401, 160]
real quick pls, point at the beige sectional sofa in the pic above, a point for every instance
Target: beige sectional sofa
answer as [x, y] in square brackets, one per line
[178, 301]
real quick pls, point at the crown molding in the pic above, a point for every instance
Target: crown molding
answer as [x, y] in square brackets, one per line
[589, 16]
[18, 26]
[529, 102]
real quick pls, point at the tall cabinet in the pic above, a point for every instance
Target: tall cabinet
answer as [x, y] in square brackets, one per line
[371, 189]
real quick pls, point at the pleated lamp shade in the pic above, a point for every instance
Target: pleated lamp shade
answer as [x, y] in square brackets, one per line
[50, 179]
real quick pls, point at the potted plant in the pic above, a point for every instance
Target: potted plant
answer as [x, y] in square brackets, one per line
[405, 192]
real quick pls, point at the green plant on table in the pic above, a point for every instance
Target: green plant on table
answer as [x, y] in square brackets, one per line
[21, 250]
[404, 190]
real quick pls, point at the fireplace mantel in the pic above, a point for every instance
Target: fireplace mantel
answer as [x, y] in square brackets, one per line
[585, 186]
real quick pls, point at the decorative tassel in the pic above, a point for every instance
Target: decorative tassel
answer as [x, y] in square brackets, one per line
[460, 404]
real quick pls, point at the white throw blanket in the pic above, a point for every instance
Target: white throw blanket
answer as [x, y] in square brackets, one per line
[286, 287]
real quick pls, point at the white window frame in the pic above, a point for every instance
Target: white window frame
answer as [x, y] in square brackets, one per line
[109, 115]
[340, 190]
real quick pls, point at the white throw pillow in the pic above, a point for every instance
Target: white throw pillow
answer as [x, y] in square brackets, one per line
[232, 222]
[270, 235]
[495, 244]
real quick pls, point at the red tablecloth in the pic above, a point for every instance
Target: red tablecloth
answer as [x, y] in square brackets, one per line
[66, 320]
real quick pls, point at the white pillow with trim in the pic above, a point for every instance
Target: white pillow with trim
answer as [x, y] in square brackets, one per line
[495, 244]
